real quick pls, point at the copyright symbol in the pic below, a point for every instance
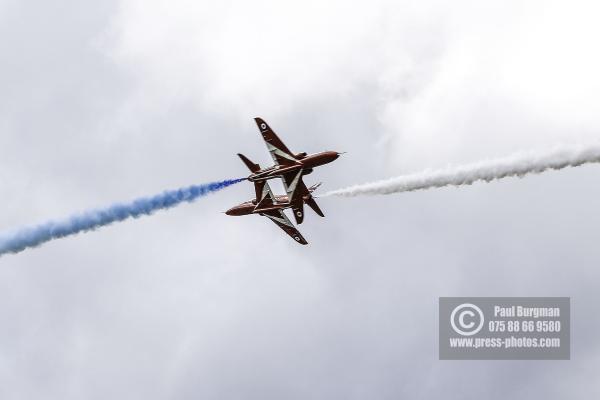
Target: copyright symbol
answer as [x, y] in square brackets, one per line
[466, 319]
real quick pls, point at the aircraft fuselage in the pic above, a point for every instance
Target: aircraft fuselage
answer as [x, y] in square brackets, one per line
[249, 207]
[307, 164]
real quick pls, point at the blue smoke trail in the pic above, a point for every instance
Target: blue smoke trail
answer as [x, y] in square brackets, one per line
[24, 238]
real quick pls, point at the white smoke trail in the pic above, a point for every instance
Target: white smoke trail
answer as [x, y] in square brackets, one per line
[518, 165]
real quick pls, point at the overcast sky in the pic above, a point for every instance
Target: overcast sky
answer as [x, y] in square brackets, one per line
[106, 101]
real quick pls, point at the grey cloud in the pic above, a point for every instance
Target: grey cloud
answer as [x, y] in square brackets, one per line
[188, 303]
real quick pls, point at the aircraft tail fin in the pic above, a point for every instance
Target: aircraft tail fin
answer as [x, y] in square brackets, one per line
[251, 166]
[298, 210]
[260, 193]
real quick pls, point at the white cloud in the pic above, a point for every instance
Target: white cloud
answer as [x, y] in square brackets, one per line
[239, 57]
[515, 76]
[451, 82]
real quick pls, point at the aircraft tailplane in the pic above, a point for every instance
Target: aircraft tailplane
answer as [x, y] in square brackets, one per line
[251, 166]
[313, 204]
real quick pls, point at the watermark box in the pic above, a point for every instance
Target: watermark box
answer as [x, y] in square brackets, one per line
[504, 328]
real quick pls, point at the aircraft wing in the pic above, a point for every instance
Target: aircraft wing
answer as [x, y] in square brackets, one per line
[264, 194]
[280, 153]
[278, 216]
[298, 195]
[294, 186]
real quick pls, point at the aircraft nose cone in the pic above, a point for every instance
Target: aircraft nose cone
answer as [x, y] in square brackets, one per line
[231, 211]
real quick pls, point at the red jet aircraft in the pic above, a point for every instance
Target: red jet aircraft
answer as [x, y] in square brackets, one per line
[271, 206]
[290, 168]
